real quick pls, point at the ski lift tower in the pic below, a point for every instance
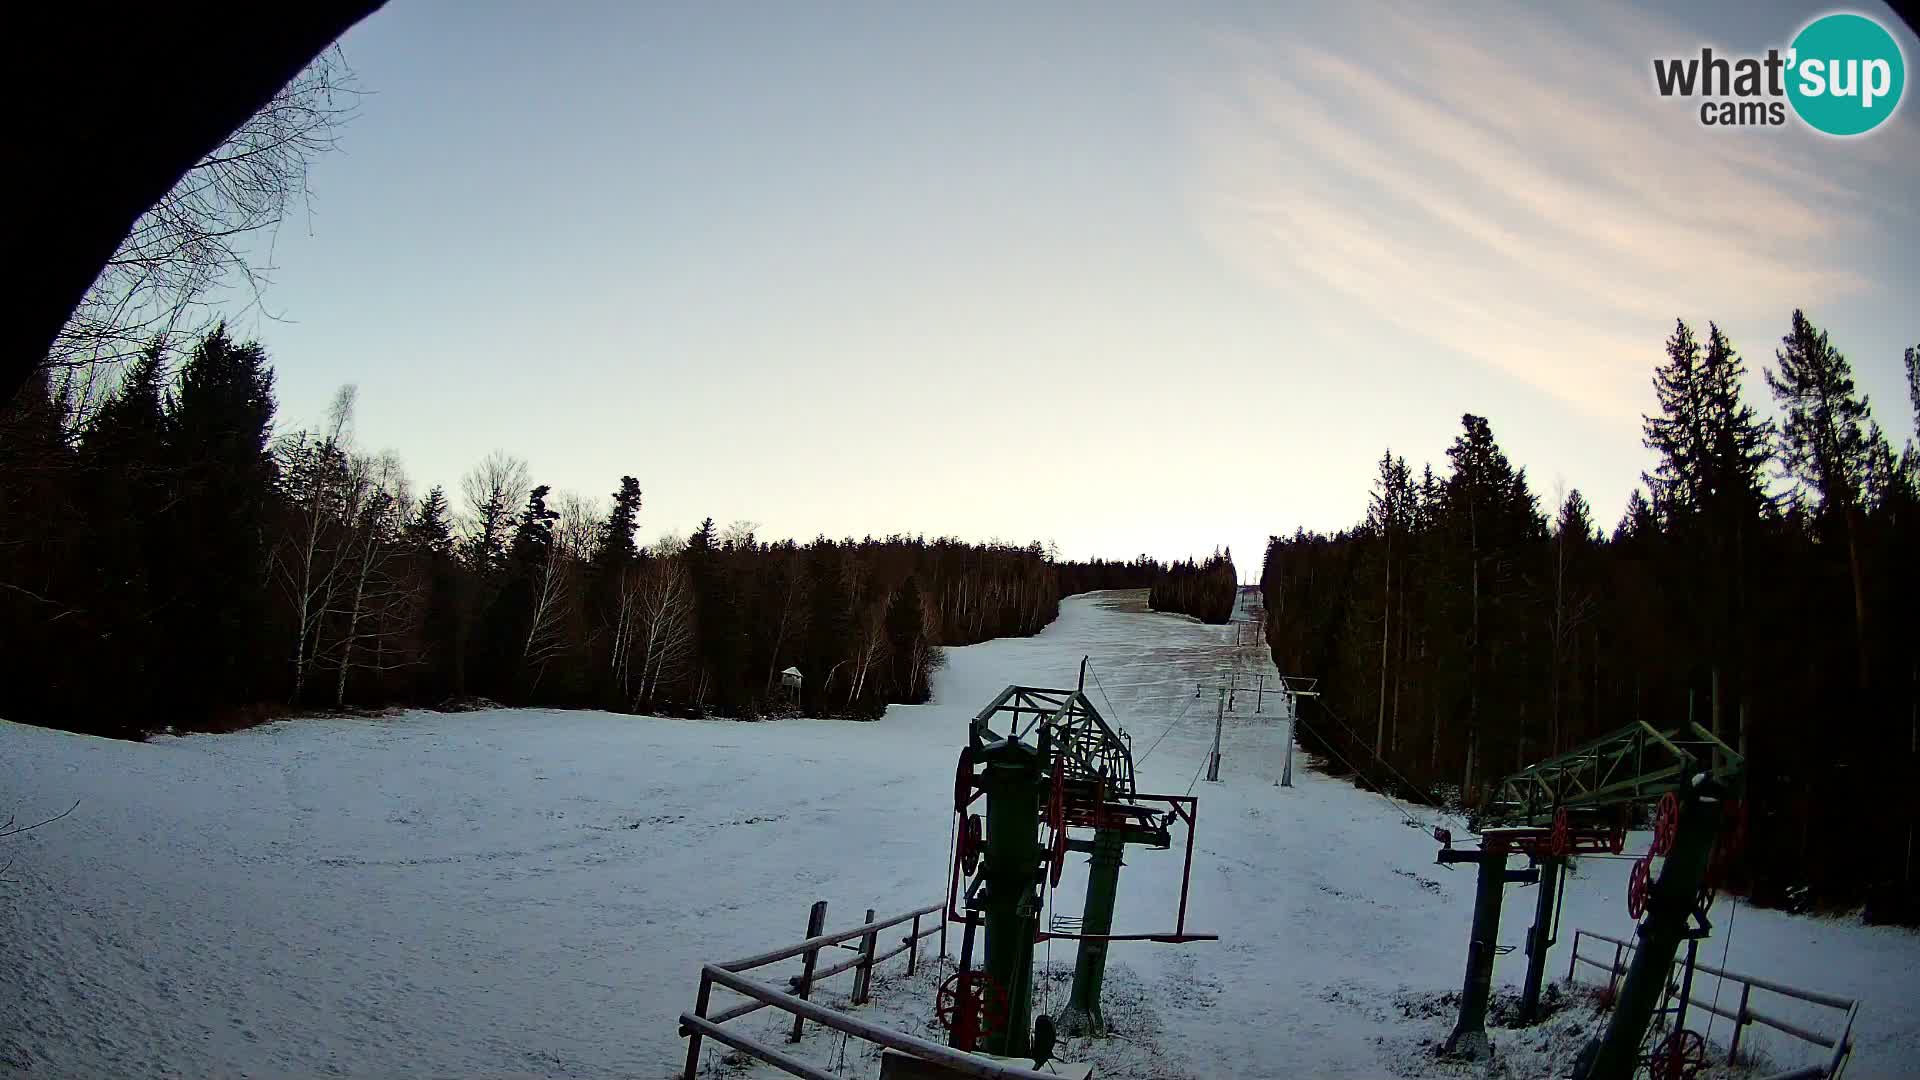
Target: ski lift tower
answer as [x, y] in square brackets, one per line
[1580, 801]
[1056, 762]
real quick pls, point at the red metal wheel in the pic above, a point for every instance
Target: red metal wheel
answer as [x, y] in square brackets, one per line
[970, 844]
[1666, 823]
[1561, 839]
[963, 781]
[1680, 1056]
[1058, 857]
[971, 1005]
[1638, 885]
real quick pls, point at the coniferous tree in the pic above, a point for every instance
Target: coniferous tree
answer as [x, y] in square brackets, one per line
[429, 531]
[212, 575]
[1824, 446]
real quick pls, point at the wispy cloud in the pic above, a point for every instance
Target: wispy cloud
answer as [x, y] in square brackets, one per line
[1519, 193]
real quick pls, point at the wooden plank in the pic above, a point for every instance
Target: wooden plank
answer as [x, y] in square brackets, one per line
[777, 1058]
[821, 941]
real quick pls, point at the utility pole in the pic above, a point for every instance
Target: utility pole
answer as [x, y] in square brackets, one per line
[1219, 718]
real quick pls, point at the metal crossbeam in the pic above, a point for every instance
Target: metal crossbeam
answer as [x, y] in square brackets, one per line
[1093, 750]
[1635, 763]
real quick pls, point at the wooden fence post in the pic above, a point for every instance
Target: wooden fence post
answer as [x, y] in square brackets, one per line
[816, 925]
[913, 946]
[863, 971]
[700, 1010]
[943, 933]
[1739, 1021]
[1571, 960]
[1613, 974]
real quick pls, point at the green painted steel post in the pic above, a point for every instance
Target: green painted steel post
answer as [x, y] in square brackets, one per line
[1469, 1037]
[1669, 905]
[1082, 1015]
[1539, 939]
[1009, 901]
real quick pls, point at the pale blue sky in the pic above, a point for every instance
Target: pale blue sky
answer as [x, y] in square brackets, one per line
[1133, 278]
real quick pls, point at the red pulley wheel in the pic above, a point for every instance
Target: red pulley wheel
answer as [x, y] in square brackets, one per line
[1057, 857]
[963, 781]
[970, 844]
[1680, 1056]
[970, 1004]
[1666, 823]
[1638, 885]
[1561, 840]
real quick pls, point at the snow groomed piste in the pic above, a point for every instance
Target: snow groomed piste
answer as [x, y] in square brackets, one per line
[534, 892]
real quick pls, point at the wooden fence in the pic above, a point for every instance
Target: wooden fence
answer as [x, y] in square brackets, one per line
[699, 1024]
[1840, 1045]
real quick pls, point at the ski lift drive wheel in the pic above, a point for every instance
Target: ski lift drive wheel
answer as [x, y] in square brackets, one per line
[1561, 839]
[1680, 1056]
[972, 1003]
[963, 781]
[1638, 885]
[970, 844]
[1666, 823]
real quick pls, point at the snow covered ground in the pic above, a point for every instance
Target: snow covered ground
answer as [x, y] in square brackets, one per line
[526, 892]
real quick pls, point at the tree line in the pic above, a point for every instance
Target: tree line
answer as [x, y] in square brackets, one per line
[1761, 582]
[1205, 590]
[168, 559]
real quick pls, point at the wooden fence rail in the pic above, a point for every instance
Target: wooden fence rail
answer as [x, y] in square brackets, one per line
[1841, 1044]
[700, 1024]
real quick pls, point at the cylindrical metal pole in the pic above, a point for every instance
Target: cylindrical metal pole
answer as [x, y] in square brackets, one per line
[1539, 940]
[1010, 866]
[1469, 1037]
[1668, 906]
[1082, 1015]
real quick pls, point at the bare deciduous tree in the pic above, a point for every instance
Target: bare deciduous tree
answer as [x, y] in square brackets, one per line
[665, 630]
[212, 231]
[314, 475]
[493, 489]
[380, 598]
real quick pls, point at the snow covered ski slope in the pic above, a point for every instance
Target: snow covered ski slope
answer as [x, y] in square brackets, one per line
[526, 892]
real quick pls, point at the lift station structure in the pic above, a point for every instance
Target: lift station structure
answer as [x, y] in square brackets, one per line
[1044, 761]
[1581, 802]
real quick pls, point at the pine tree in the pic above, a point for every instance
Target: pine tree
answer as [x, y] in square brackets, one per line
[1390, 510]
[533, 533]
[615, 545]
[719, 646]
[1490, 515]
[429, 531]
[1824, 445]
[212, 574]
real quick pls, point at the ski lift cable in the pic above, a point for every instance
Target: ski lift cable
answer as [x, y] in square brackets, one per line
[1398, 775]
[1405, 816]
[1111, 707]
[1181, 715]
